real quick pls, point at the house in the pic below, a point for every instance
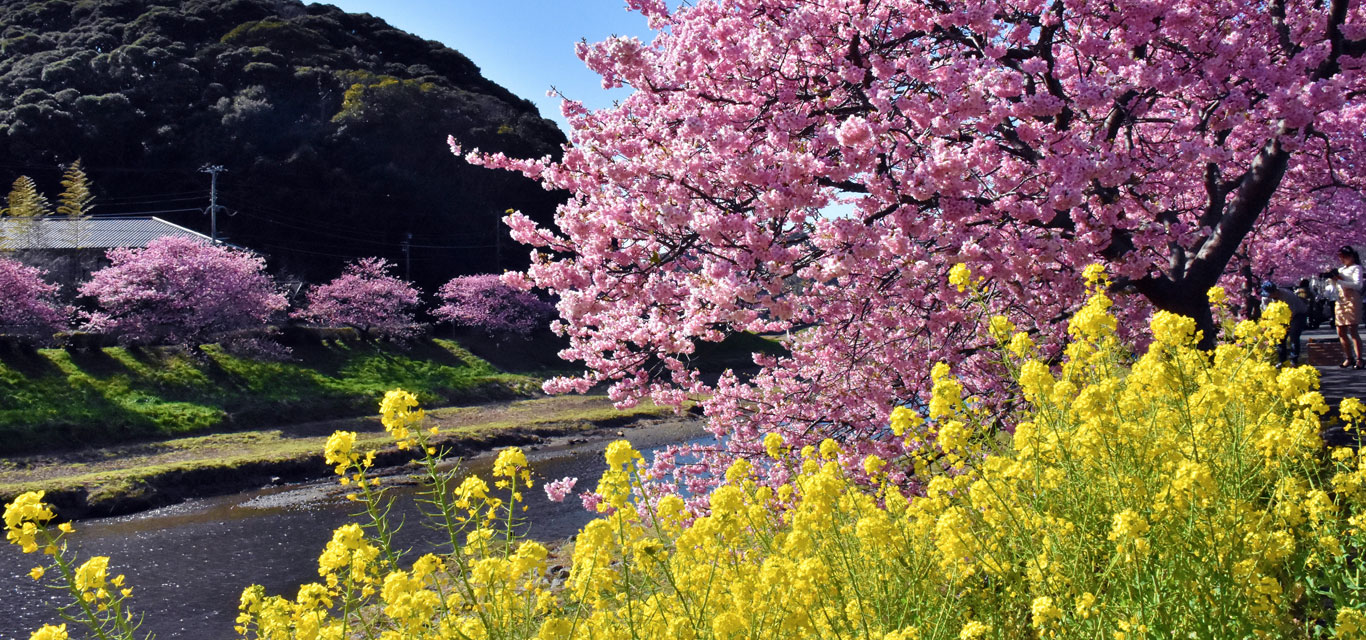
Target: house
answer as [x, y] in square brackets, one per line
[61, 234]
[70, 250]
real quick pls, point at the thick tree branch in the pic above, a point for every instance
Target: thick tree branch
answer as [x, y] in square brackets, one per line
[1240, 214]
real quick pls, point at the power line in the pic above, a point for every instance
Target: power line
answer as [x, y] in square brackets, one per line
[196, 192]
[248, 213]
[453, 246]
[355, 239]
[131, 201]
[91, 169]
[316, 253]
[234, 194]
[145, 213]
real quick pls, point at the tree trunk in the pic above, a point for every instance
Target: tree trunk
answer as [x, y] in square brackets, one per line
[1183, 299]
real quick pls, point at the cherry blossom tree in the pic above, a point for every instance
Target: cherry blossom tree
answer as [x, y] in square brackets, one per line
[180, 290]
[365, 296]
[484, 302]
[28, 302]
[814, 167]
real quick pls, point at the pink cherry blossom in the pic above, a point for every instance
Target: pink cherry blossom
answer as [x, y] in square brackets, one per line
[367, 297]
[180, 290]
[810, 169]
[27, 302]
[590, 500]
[558, 490]
[854, 132]
[485, 302]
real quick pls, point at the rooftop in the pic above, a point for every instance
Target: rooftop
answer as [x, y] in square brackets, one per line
[94, 232]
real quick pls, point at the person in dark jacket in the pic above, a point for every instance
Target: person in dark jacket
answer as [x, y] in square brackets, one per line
[1299, 314]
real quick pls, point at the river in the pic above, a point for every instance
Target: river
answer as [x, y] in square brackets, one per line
[188, 563]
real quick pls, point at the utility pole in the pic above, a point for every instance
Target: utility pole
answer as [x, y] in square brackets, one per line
[407, 256]
[213, 170]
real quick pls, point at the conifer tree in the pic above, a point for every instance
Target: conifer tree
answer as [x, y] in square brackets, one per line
[75, 203]
[26, 206]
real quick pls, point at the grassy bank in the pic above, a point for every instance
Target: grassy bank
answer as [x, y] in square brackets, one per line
[54, 398]
[128, 478]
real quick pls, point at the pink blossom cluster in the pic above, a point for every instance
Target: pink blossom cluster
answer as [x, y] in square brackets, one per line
[26, 300]
[367, 297]
[560, 489]
[812, 168]
[486, 302]
[180, 290]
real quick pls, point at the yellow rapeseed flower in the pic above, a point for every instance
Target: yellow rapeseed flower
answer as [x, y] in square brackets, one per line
[1021, 345]
[23, 518]
[399, 413]
[621, 453]
[1217, 296]
[773, 444]
[93, 574]
[960, 276]
[340, 450]
[1001, 328]
[1095, 276]
[49, 632]
[1044, 613]
[1351, 624]
[903, 420]
[974, 630]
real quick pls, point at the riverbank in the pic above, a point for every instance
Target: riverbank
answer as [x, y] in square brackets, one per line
[51, 398]
[125, 479]
[188, 563]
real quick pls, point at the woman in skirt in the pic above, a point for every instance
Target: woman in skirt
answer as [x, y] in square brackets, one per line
[1347, 313]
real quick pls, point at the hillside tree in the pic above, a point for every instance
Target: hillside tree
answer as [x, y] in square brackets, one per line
[26, 206]
[75, 203]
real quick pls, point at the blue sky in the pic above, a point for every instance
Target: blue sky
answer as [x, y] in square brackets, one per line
[524, 45]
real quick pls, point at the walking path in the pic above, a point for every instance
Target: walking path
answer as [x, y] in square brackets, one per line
[1322, 349]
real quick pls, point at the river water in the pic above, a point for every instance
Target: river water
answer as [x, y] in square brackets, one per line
[188, 563]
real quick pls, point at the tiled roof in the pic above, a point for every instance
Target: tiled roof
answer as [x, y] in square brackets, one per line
[95, 232]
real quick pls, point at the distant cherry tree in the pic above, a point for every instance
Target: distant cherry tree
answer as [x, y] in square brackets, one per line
[365, 296]
[485, 302]
[26, 300]
[180, 290]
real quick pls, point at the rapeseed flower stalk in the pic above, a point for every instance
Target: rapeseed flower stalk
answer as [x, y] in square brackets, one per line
[96, 600]
[1173, 493]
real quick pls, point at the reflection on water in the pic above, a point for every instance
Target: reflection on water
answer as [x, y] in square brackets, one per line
[188, 563]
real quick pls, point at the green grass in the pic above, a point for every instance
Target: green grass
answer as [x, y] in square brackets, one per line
[53, 398]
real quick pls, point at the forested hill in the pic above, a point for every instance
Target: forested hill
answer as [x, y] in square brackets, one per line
[332, 127]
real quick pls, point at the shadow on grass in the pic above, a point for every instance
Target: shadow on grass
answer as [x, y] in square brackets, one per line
[70, 399]
[515, 354]
[429, 349]
[28, 362]
[97, 363]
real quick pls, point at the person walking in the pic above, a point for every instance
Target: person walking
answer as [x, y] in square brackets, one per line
[1347, 312]
[1305, 291]
[1299, 316]
[1328, 297]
